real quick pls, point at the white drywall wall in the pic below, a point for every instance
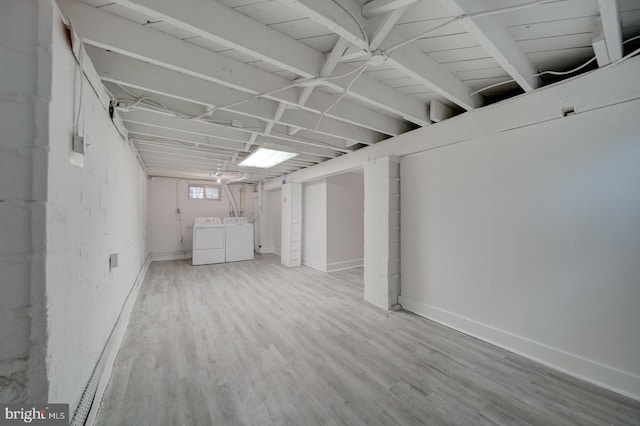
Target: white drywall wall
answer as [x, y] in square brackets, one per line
[345, 221]
[314, 224]
[271, 222]
[333, 222]
[25, 87]
[166, 227]
[96, 206]
[530, 239]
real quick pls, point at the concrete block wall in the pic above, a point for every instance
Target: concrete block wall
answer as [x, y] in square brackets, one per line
[382, 231]
[96, 206]
[25, 88]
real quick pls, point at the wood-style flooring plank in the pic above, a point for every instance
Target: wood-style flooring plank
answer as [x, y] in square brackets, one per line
[256, 343]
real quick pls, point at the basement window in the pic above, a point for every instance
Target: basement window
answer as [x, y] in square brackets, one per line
[204, 192]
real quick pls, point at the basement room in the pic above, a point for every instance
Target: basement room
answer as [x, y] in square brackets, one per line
[320, 212]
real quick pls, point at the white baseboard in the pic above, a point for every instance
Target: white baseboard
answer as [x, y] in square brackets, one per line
[332, 267]
[345, 264]
[277, 251]
[169, 255]
[322, 267]
[604, 376]
[266, 249]
[115, 340]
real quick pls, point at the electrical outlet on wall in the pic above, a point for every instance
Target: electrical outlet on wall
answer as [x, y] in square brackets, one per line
[113, 260]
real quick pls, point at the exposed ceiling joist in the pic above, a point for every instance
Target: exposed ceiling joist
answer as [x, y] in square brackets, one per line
[204, 164]
[184, 150]
[142, 75]
[189, 126]
[161, 169]
[610, 19]
[381, 7]
[222, 122]
[221, 24]
[327, 69]
[385, 27]
[143, 151]
[494, 37]
[599, 44]
[158, 172]
[439, 111]
[107, 31]
[205, 140]
[215, 166]
[327, 14]
[408, 59]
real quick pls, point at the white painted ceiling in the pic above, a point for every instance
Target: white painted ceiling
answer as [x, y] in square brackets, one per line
[201, 83]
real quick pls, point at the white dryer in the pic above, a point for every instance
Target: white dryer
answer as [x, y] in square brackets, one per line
[208, 241]
[238, 239]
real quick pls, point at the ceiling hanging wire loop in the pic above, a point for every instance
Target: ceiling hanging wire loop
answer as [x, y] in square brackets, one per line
[568, 72]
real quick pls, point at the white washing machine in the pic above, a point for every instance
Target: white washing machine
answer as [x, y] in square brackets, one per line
[208, 241]
[238, 239]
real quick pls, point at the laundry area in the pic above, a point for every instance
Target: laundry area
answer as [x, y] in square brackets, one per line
[219, 241]
[222, 226]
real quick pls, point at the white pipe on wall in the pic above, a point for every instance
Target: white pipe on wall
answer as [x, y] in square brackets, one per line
[231, 199]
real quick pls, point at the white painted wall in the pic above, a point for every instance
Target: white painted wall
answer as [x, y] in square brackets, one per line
[165, 231]
[530, 239]
[382, 232]
[314, 224]
[25, 87]
[345, 221]
[333, 222]
[271, 222]
[96, 206]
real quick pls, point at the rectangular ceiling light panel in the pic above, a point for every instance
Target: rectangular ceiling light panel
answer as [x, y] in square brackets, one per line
[265, 158]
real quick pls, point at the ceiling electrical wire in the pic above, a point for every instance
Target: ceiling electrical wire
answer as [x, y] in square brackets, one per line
[154, 104]
[365, 36]
[490, 12]
[361, 70]
[571, 71]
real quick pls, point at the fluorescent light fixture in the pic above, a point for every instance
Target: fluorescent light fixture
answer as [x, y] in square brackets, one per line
[265, 158]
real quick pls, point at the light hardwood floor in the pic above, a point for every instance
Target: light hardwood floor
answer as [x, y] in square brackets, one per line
[257, 343]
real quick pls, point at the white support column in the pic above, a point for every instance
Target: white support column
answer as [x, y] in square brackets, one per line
[382, 231]
[291, 237]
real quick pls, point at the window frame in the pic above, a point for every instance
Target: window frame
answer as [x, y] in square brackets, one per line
[204, 187]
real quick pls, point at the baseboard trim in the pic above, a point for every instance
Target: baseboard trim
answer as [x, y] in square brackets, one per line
[169, 255]
[322, 267]
[618, 381]
[115, 340]
[345, 264]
